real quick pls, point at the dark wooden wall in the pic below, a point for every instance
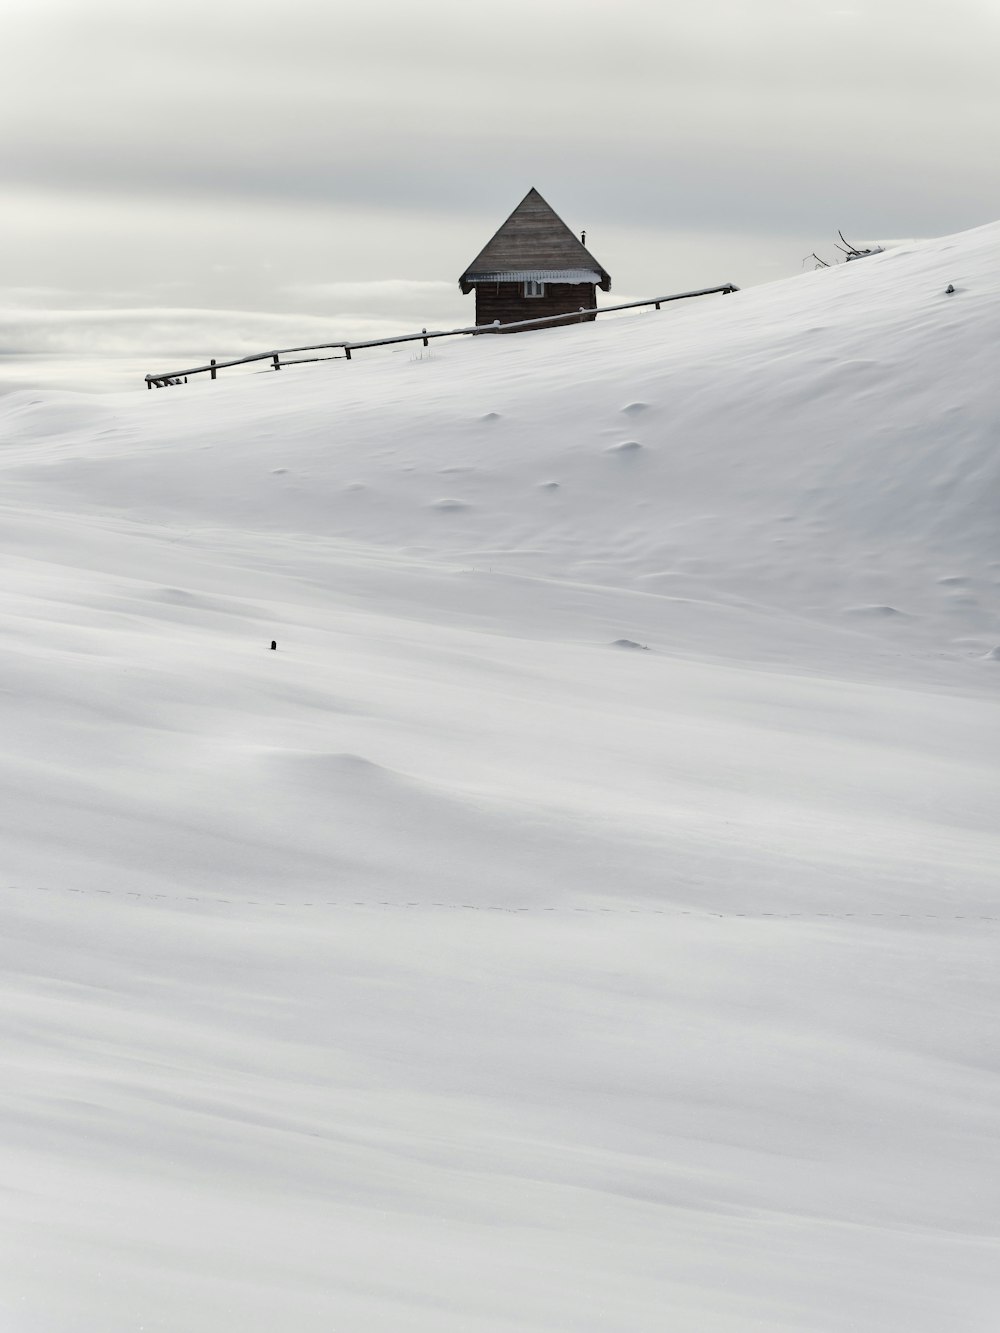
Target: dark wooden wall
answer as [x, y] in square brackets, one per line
[506, 301]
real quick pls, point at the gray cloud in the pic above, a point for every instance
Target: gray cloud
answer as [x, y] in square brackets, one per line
[351, 311]
[757, 113]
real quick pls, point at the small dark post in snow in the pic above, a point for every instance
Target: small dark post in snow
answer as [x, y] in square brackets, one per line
[949, 289]
[424, 332]
[277, 363]
[274, 644]
[212, 364]
[347, 352]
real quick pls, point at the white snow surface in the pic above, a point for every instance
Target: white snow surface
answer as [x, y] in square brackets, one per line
[459, 966]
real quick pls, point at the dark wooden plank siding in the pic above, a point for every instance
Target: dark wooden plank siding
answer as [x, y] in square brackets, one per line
[506, 302]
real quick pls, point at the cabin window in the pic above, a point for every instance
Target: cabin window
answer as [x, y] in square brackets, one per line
[533, 288]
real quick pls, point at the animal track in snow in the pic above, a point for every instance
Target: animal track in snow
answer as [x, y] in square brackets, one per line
[876, 612]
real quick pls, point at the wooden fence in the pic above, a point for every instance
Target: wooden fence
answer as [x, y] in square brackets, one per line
[341, 351]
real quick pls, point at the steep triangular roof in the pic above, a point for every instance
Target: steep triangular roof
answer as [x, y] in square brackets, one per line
[534, 239]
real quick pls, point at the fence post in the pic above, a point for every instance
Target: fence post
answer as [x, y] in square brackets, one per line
[424, 332]
[212, 364]
[347, 352]
[657, 304]
[277, 363]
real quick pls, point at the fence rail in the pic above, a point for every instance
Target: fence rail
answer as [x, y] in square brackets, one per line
[341, 351]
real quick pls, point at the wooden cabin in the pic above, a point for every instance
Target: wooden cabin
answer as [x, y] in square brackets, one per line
[534, 266]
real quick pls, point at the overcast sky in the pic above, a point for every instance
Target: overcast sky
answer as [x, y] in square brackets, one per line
[193, 177]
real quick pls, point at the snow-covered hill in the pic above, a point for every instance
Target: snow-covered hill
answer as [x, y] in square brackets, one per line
[460, 965]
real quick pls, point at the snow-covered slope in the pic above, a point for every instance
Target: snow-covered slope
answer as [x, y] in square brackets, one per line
[458, 966]
[823, 445]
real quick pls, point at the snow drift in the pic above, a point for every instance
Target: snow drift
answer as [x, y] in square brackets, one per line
[456, 965]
